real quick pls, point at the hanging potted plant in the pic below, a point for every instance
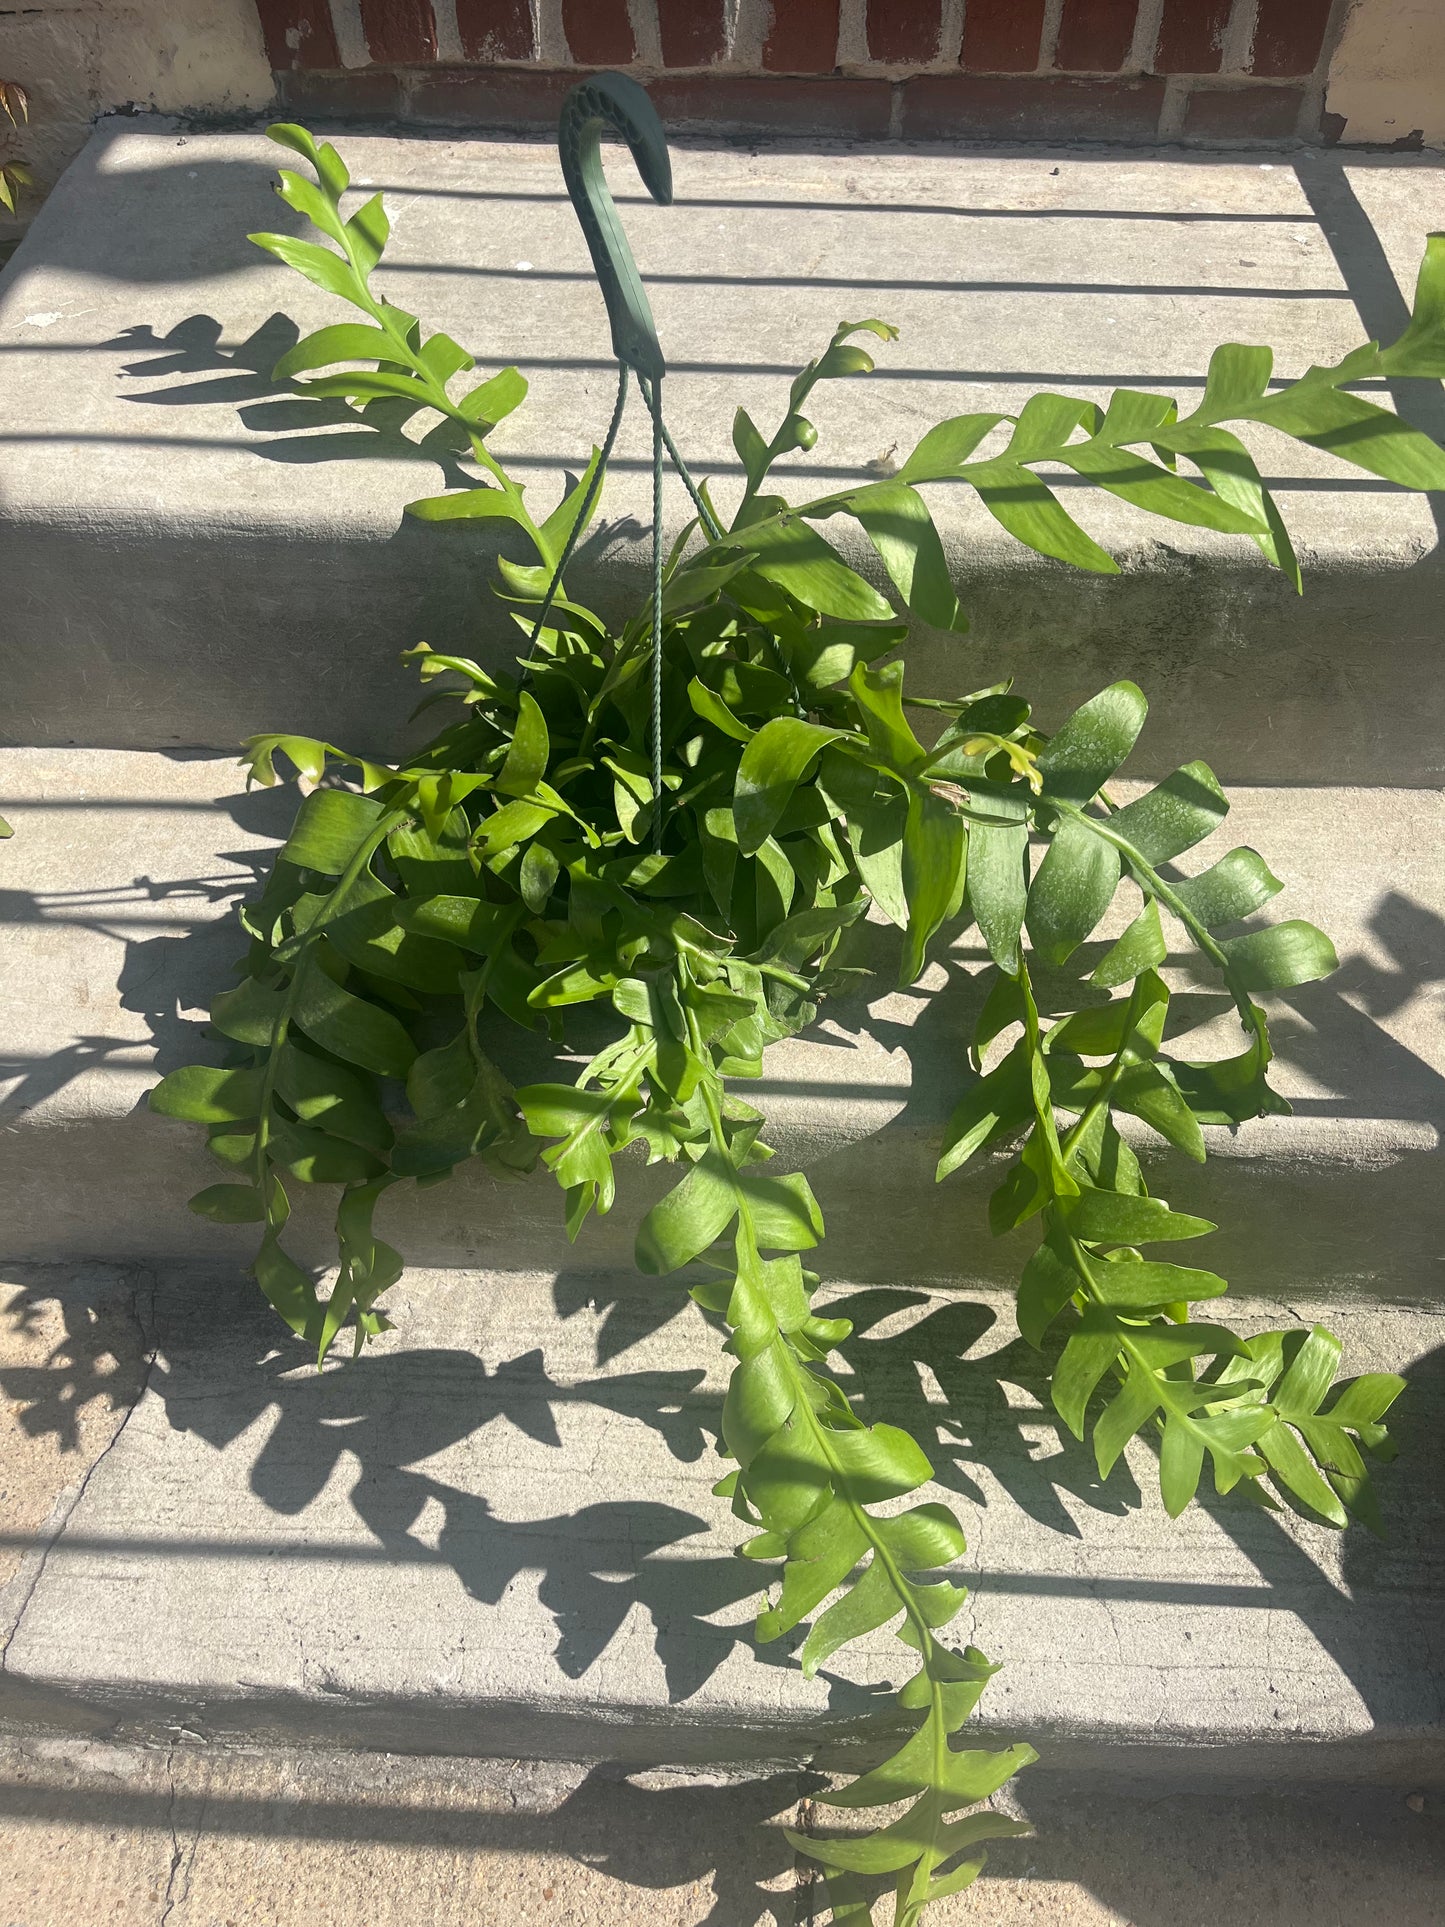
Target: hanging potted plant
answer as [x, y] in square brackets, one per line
[680, 822]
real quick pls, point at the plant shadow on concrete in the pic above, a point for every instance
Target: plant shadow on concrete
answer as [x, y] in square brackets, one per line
[457, 1836]
[152, 979]
[288, 428]
[658, 1838]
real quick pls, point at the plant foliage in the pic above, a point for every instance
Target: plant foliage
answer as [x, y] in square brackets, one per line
[522, 866]
[14, 173]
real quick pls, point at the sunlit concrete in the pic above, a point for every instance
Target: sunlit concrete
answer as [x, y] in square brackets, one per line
[494, 1535]
[189, 555]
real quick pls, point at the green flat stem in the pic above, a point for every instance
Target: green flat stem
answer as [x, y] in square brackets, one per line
[803, 1406]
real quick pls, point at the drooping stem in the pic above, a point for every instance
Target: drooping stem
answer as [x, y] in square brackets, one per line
[803, 1384]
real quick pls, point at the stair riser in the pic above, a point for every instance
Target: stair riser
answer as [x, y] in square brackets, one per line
[156, 640]
[1365, 1228]
[627, 1737]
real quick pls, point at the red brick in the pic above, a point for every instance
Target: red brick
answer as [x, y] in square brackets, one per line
[838, 109]
[1095, 36]
[1242, 113]
[1289, 36]
[1190, 36]
[803, 38]
[496, 97]
[298, 33]
[495, 29]
[694, 32]
[1030, 107]
[905, 32]
[399, 33]
[1002, 36]
[363, 93]
[599, 32]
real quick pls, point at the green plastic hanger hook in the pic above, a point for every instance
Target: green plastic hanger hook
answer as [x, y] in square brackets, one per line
[612, 100]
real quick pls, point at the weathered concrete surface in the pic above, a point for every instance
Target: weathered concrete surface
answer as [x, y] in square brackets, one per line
[96, 1832]
[197, 1836]
[184, 563]
[494, 1536]
[124, 865]
[72, 1363]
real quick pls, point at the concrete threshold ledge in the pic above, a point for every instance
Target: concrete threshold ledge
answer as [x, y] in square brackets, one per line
[320, 1836]
[190, 555]
[494, 1536]
[125, 866]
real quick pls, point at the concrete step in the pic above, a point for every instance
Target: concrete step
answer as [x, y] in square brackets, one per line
[95, 1832]
[494, 1536]
[189, 558]
[92, 1832]
[125, 864]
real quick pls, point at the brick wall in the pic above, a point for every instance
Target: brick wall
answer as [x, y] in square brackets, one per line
[1131, 70]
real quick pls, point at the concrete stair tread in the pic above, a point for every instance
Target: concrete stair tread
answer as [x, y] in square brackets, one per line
[448, 1841]
[186, 587]
[125, 865]
[494, 1535]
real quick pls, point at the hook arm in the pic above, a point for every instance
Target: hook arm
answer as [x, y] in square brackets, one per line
[612, 100]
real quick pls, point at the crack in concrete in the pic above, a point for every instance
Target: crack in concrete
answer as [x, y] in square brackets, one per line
[65, 1507]
[178, 1880]
[168, 1898]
